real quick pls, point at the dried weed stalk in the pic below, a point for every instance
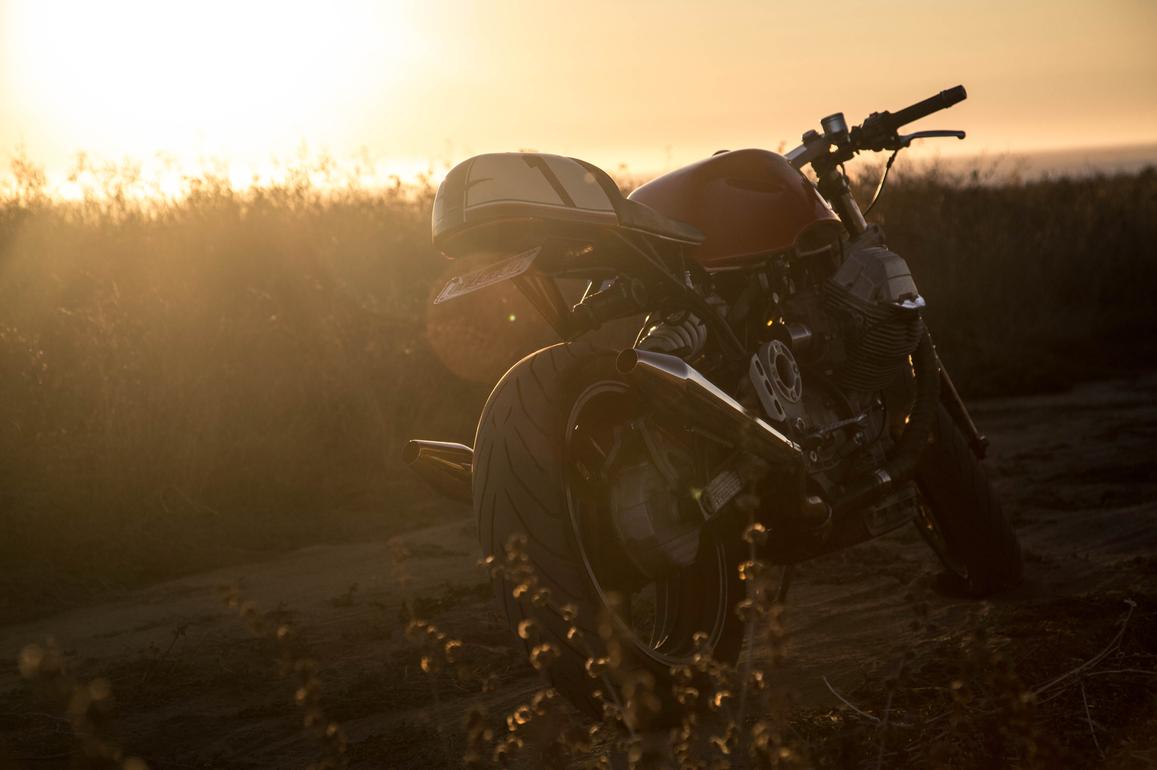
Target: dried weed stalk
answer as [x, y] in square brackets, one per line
[88, 706]
[295, 660]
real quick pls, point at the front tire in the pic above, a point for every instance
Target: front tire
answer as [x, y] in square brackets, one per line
[527, 494]
[962, 518]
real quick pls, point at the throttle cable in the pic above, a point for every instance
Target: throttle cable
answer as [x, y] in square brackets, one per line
[883, 179]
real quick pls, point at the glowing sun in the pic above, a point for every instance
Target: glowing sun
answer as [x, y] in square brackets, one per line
[231, 78]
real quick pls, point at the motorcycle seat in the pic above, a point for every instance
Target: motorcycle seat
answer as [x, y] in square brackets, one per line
[519, 192]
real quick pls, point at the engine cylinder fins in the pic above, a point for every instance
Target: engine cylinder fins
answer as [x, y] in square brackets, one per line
[777, 380]
[874, 291]
[881, 351]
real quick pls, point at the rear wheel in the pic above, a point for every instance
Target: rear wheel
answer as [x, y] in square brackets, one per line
[961, 517]
[559, 445]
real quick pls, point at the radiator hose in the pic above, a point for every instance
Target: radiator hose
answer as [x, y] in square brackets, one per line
[901, 466]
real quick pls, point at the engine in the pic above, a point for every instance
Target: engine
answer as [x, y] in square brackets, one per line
[840, 332]
[837, 343]
[873, 294]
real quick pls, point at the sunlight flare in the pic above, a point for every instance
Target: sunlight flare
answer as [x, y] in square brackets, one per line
[238, 80]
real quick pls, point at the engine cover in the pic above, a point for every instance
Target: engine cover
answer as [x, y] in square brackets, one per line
[776, 377]
[873, 293]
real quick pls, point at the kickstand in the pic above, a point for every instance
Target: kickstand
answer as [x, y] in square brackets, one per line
[784, 583]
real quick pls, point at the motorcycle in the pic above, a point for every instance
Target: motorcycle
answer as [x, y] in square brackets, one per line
[782, 399]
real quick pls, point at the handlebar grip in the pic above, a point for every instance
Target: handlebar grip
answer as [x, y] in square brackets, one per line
[940, 101]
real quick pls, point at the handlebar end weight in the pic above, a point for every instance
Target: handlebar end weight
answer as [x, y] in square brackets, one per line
[953, 95]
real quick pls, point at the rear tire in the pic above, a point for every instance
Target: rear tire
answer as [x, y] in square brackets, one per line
[522, 487]
[963, 521]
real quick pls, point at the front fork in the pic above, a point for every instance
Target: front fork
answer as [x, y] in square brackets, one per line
[952, 401]
[833, 185]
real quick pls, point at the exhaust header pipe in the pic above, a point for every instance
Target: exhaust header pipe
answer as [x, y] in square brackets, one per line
[447, 467]
[696, 399]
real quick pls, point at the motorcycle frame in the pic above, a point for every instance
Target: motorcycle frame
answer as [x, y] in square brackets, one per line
[661, 284]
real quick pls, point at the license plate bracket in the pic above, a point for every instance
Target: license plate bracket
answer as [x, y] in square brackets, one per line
[488, 275]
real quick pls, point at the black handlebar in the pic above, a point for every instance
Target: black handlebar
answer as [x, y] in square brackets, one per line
[878, 131]
[940, 101]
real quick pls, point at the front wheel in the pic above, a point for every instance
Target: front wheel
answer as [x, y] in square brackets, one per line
[562, 442]
[961, 517]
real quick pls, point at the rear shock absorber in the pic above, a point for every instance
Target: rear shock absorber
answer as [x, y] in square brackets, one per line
[680, 334]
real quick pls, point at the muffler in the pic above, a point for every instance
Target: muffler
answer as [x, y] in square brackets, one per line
[447, 467]
[679, 387]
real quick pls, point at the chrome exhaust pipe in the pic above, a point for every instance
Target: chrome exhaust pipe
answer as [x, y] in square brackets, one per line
[680, 387]
[447, 467]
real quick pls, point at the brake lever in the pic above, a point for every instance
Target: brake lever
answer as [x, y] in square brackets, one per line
[906, 139]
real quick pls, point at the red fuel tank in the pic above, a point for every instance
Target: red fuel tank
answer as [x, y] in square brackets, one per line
[749, 204]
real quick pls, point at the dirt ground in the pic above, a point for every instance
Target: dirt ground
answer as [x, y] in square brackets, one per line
[189, 684]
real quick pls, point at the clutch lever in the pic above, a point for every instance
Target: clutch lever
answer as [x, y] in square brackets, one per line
[902, 141]
[906, 139]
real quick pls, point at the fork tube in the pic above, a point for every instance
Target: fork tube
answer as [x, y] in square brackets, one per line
[849, 213]
[833, 185]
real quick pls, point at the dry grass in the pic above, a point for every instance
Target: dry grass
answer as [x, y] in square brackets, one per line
[189, 383]
[1050, 684]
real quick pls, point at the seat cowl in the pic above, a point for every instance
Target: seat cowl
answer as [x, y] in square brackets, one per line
[517, 194]
[634, 215]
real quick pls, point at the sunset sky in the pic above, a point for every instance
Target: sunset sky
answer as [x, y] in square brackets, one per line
[644, 82]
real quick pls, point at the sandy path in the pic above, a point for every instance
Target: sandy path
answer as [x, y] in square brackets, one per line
[1078, 472]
